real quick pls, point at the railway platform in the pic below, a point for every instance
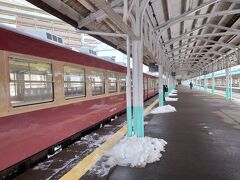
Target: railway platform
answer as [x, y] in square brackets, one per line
[203, 142]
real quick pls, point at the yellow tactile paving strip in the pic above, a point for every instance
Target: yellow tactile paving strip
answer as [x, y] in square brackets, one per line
[82, 167]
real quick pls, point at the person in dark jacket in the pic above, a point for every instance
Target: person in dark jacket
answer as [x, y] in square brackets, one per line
[191, 85]
[165, 89]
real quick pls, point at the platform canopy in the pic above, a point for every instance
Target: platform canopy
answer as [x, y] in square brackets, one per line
[192, 35]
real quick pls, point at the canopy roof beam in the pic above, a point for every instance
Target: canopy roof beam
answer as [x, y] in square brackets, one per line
[208, 15]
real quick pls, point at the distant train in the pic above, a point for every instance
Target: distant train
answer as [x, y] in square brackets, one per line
[50, 94]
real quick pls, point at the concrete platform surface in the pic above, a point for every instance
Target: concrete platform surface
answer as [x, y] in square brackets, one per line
[203, 141]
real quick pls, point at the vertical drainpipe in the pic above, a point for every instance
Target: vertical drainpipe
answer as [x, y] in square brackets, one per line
[128, 93]
[160, 84]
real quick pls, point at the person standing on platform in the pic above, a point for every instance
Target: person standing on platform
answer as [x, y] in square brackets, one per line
[165, 89]
[191, 85]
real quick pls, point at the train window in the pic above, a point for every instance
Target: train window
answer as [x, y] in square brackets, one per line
[145, 83]
[97, 82]
[54, 38]
[112, 83]
[122, 83]
[156, 84]
[31, 82]
[60, 40]
[149, 84]
[74, 82]
[49, 36]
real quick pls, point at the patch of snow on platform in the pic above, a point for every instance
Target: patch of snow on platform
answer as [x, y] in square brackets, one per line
[133, 152]
[210, 133]
[164, 109]
[172, 94]
[107, 125]
[171, 99]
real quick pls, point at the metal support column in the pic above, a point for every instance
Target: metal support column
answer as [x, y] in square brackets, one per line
[138, 88]
[230, 84]
[167, 83]
[200, 81]
[160, 88]
[213, 84]
[227, 81]
[138, 108]
[205, 83]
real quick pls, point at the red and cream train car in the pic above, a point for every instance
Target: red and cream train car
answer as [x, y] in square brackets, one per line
[50, 94]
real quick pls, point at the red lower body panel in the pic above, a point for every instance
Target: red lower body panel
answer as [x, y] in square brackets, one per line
[26, 134]
[152, 93]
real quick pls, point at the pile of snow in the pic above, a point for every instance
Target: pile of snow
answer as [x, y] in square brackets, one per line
[164, 109]
[131, 151]
[93, 140]
[171, 99]
[43, 165]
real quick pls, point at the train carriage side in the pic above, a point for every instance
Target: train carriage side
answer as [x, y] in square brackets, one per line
[150, 86]
[49, 93]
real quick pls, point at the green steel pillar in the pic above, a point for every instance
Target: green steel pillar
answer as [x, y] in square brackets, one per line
[227, 84]
[160, 92]
[200, 82]
[167, 83]
[230, 85]
[205, 84]
[138, 107]
[213, 84]
[137, 53]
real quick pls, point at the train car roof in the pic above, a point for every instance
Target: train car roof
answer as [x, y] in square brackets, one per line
[122, 68]
[13, 30]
